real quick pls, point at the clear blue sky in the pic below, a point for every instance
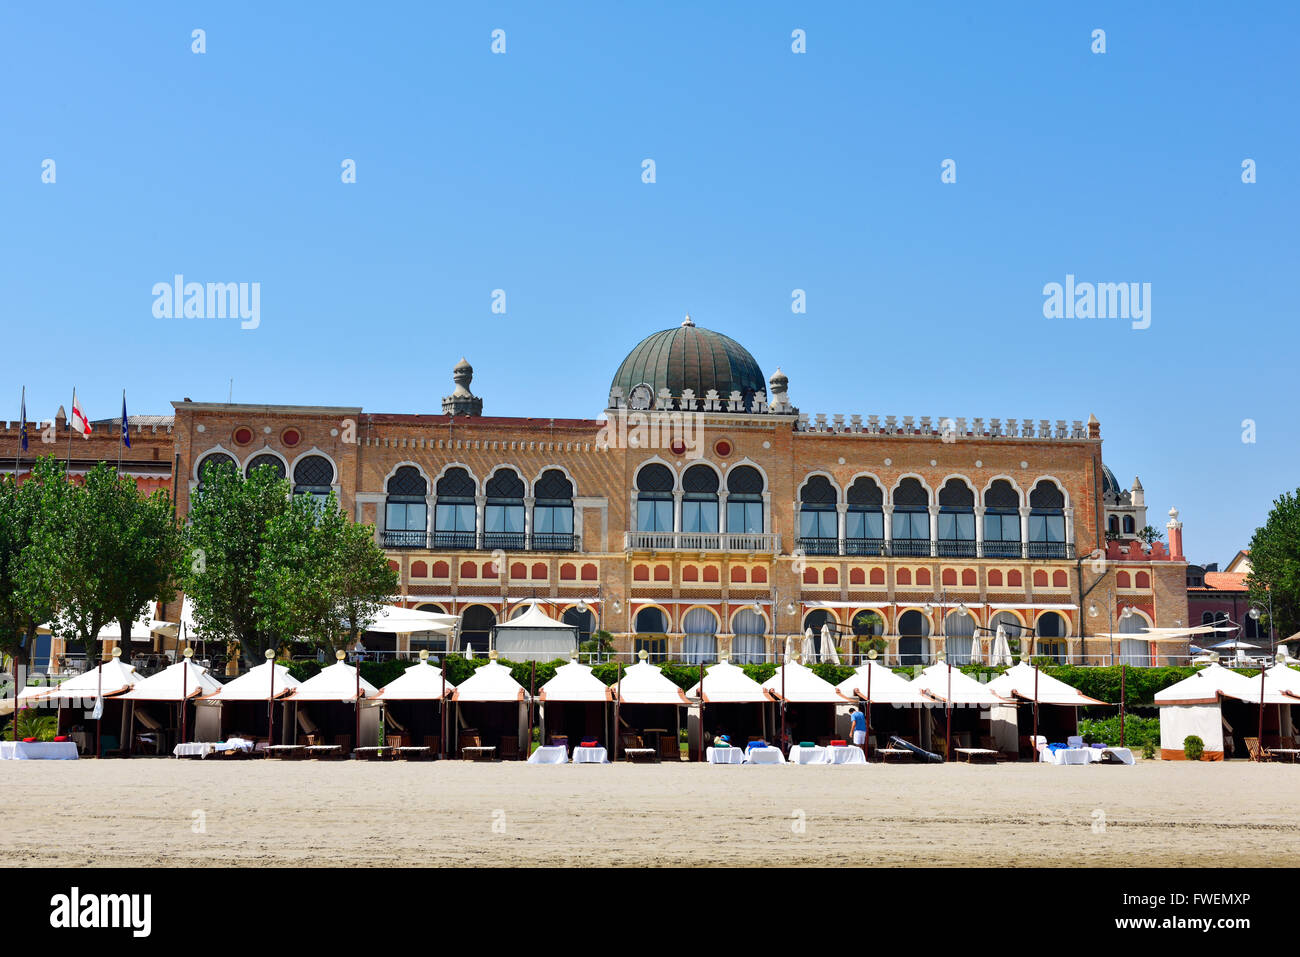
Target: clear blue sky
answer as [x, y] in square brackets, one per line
[775, 171]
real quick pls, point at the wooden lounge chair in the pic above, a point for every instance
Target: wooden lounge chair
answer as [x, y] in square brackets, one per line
[668, 748]
[634, 749]
[1257, 753]
[509, 748]
[976, 755]
[473, 749]
[285, 752]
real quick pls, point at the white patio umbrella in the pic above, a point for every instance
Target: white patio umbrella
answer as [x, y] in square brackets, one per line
[1000, 653]
[789, 647]
[469, 651]
[809, 650]
[829, 652]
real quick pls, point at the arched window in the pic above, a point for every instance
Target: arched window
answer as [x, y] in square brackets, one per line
[700, 500]
[911, 519]
[1134, 651]
[553, 512]
[1001, 521]
[956, 519]
[700, 643]
[864, 525]
[1112, 524]
[314, 476]
[651, 633]
[265, 459]
[1255, 628]
[503, 517]
[1130, 527]
[455, 520]
[476, 624]
[1050, 629]
[868, 624]
[1046, 521]
[813, 622]
[913, 638]
[214, 460]
[959, 629]
[583, 620]
[654, 498]
[406, 513]
[745, 500]
[749, 646]
[819, 528]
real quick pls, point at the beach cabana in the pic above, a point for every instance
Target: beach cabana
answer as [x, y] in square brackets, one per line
[963, 699]
[895, 701]
[242, 707]
[534, 636]
[731, 703]
[1058, 708]
[328, 711]
[78, 701]
[1211, 704]
[576, 703]
[811, 703]
[493, 707]
[413, 705]
[650, 705]
[178, 686]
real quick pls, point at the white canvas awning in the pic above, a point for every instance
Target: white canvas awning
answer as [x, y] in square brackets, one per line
[724, 683]
[338, 682]
[534, 636]
[1207, 686]
[420, 682]
[802, 686]
[643, 683]
[490, 682]
[112, 678]
[407, 621]
[177, 682]
[1019, 682]
[575, 682]
[257, 685]
[886, 687]
[950, 686]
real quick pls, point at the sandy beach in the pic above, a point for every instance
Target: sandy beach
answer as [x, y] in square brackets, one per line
[162, 812]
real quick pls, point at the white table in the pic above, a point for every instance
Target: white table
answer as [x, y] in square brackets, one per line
[813, 755]
[725, 755]
[590, 756]
[767, 755]
[845, 754]
[194, 749]
[38, 751]
[1124, 755]
[1064, 756]
[550, 754]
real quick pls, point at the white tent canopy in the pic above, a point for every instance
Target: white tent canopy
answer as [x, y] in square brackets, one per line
[117, 677]
[420, 682]
[181, 681]
[534, 636]
[406, 621]
[724, 683]
[490, 682]
[802, 686]
[643, 683]
[1019, 682]
[575, 682]
[886, 686]
[338, 682]
[1193, 706]
[964, 690]
[257, 684]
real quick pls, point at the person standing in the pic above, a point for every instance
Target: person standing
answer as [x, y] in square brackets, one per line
[858, 720]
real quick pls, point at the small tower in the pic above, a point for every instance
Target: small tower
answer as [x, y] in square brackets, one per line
[1175, 530]
[779, 384]
[462, 401]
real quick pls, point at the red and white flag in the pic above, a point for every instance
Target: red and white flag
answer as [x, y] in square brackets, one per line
[79, 421]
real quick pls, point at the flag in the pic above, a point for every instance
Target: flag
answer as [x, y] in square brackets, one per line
[126, 432]
[78, 422]
[22, 420]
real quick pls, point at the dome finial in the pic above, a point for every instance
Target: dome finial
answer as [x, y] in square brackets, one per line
[688, 321]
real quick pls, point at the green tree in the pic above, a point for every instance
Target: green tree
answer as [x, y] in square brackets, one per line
[363, 580]
[227, 530]
[1275, 565]
[27, 591]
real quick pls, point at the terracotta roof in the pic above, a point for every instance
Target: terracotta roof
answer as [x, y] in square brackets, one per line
[1223, 581]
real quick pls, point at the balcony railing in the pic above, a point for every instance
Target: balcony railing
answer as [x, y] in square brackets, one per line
[703, 541]
[489, 542]
[403, 538]
[941, 548]
[506, 541]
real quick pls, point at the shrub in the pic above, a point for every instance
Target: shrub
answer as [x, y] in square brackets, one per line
[1149, 751]
[1138, 732]
[42, 727]
[1193, 747]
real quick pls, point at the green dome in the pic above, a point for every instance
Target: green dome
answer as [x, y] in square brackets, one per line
[688, 357]
[1108, 480]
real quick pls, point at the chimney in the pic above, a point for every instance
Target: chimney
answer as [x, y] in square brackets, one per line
[1175, 529]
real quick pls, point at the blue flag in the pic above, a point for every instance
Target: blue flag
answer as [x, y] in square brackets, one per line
[22, 420]
[126, 432]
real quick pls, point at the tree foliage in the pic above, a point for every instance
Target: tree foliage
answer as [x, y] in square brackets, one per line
[1275, 565]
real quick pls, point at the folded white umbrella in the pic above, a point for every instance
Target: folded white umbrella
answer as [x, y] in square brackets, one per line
[809, 650]
[1000, 654]
[829, 652]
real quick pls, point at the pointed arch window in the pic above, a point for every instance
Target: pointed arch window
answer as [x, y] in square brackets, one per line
[406, 510]
[745, 500]
[956, 520]
[1001, 521]
[819, 528]
[1047, 521]
[700, 500]
[314, 476]
[911, 526]
[654, 498]
[864, 524]
[455, 520]
[503, 518]
[553, 512]
[266, 458]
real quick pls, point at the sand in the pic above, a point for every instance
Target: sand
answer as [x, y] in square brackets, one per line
[163, 812]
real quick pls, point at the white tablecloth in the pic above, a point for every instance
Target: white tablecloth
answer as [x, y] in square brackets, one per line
[725, 755]
[550, 754]
[845, 754]
[813, 755]
[767, 755]
[1067, 756]
[590, 756]
[38, 751]
[192, 748]
[1124, 755]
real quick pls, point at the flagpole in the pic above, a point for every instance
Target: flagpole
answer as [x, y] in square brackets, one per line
[22, 430]
[68, 422]
[121, 434]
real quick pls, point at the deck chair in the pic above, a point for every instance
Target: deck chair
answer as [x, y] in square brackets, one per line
[634, 748]
[509, 749]
[668, 748]
[1257, 753]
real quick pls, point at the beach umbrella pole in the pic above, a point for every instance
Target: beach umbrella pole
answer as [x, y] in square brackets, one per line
[866, 745]
[1123, 672]
[700, 752]
[1262, 670]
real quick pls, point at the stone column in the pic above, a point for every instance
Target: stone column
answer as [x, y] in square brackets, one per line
[934, 530]
[1024, 531]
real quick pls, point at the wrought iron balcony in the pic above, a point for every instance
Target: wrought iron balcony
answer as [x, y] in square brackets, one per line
[505, 541]
[554, 542]
[457, 541]
[404, 538]
[703, 541]
[939, 548]
[818, 546]
[471, 542]
[864, 546]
